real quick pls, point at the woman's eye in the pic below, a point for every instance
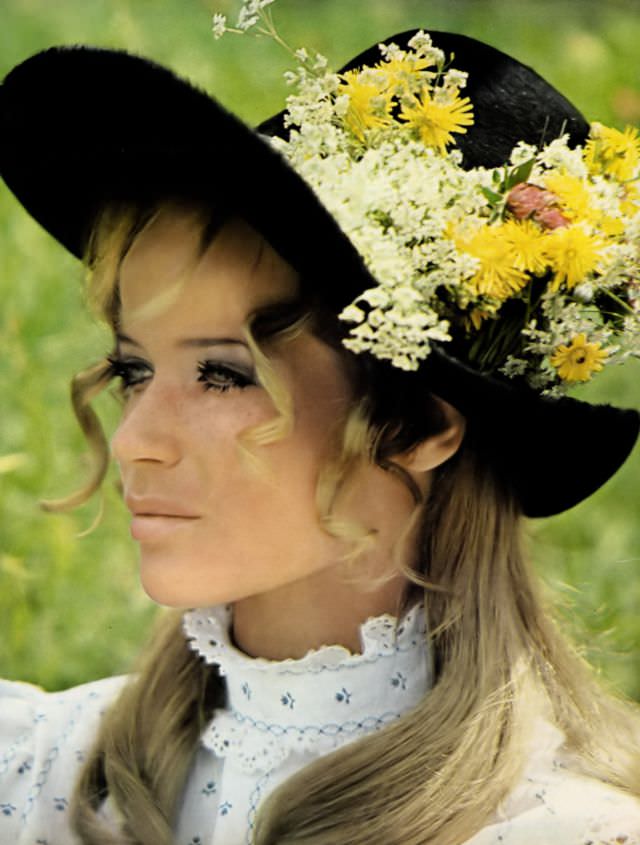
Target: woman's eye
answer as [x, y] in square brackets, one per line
[214, 375]
[221, 377]
[130, 371]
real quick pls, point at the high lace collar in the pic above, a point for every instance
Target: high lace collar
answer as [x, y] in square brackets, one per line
[315, 703]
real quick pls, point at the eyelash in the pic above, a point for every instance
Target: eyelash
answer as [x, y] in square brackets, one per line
[232, 377]
[213, 374]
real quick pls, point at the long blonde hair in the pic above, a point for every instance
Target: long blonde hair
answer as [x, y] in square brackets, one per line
[437, 774]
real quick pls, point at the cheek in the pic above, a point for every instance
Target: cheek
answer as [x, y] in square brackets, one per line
[261, 498]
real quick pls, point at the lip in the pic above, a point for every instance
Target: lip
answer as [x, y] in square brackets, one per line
[154, 527]
[152, 506]
[156, 519]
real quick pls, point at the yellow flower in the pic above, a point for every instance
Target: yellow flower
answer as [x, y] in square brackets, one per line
[401, 72]
[573, 196]
[497, 275]
[576, 204]
[612, 152]
[579, 360]
[528, 245]
[435, 122]
[612, 227]
[573, 254]
[630, 202]
[369, 102]
[476, 318]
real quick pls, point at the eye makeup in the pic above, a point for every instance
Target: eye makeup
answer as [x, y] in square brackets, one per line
[130, 371]
[219, 376]
[213, 374]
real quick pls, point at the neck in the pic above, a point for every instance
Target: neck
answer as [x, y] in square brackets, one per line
[290, 621]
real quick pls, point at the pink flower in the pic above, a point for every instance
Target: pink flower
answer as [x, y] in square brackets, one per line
[527, 201]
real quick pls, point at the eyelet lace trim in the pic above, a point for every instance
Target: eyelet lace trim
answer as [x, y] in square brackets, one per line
[314, 704]
[207, 630]
[260, 747]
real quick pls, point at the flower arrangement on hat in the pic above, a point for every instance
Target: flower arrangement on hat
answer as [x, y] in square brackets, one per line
[531, 270]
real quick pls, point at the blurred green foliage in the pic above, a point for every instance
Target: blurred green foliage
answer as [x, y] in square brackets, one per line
[71, 606]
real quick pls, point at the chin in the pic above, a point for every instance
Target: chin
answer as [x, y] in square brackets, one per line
[164, 595]
[168, 587]
[171, 587]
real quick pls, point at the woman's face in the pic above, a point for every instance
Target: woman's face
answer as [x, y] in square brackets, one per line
[212, 526]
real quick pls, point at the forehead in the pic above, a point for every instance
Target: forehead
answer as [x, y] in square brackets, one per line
[238, 273]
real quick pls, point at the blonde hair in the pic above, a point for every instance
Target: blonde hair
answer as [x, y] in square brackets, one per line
[437, 774]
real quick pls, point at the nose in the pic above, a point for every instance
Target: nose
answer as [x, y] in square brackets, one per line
[148, 429]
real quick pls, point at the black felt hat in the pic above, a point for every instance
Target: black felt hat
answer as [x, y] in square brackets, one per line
[80, 126]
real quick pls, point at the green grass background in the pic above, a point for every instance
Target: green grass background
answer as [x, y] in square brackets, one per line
[71, 608]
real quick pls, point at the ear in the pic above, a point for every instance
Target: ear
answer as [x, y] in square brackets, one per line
[437, 448]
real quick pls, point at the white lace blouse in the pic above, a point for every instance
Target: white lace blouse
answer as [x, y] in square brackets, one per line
[279, 716]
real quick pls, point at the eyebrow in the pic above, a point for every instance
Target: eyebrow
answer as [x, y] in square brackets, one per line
[190, 342]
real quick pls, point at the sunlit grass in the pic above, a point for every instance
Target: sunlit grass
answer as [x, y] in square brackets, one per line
[71, 606]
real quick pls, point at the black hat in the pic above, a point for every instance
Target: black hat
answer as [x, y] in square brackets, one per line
[80, 126]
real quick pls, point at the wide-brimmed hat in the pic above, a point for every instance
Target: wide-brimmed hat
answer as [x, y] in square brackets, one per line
[80, 126]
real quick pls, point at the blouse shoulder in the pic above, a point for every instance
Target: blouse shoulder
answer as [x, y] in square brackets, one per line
[44, 738]
[555, 804]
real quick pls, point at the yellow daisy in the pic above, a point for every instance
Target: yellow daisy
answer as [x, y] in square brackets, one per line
[497, 276]
[528, 245]
[630, 202]
[579, 360]
[612, 152]
[369, 103]
[476, 318]
[573, 254]
[573, 196]
[436, 122]
[612, 227]
[401, 72]
[576, 204]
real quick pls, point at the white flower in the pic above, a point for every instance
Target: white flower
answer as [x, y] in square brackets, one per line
[352, 314]
[422, 45]
[584, 292]
[454, 80]
[521, 153]
[219, 25]
[559, 156]
[250, 13]
[376, 297]
[247, 19]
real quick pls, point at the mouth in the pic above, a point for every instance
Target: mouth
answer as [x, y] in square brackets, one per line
[153, 527]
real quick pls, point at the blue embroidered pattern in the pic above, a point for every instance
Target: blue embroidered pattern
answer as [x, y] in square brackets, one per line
[53, 755]
[343, 695]
[287, 700]
[12, 751]
[254, 801]
[369, 723]
[399, 680]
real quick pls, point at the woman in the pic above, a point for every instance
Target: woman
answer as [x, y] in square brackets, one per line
[302, 484]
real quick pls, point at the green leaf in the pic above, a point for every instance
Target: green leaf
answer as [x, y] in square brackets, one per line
[519, 174]
[494, 198]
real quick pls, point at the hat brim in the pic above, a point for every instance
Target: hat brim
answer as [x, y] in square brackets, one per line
[80, 126]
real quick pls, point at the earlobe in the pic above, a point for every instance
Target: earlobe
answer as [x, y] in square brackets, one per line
[438, 448]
